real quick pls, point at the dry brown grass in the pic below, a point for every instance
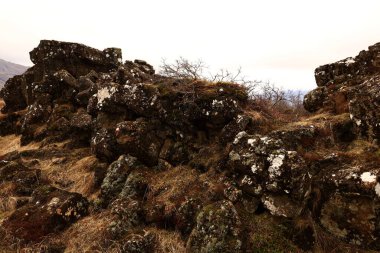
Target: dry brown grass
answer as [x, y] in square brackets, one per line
[326, 243]
[321, 120]
[171, 187]
[88, 235]
[9, 144]
[74, 174]
[168, 241]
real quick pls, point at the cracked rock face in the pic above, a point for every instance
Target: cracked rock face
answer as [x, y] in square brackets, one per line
[350, 85]
[266, 167]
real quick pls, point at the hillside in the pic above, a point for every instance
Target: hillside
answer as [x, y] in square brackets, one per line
[97, 155]
[8, 70]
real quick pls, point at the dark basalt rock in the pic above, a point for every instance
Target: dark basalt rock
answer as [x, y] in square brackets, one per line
[188, 156]
[67, 61]
[50, 210]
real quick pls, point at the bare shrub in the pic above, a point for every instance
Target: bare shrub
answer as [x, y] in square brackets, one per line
[266, 97]
[183, 68]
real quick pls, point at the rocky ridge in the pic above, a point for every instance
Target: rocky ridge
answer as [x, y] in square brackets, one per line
[105, 156]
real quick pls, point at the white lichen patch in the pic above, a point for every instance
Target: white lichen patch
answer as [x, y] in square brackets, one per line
[265, 140]
[246, 180]
[216, 103]
[254, 168]
[251, 142]
[368, 177]
[53, 202]
[105, 93]
[239, 136]
[269, 204]
[377, 189]
[153, 100]
[276, 161]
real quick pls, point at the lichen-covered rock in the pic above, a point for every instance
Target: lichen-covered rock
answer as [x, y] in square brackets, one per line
[350, 85]
[50, 210]
[314, 100]
[364, 64]
[81, 120]
[115, 179]
[236, 126]
[353, 218]
[57, 65]
[186, 215]
[104, 145]
[141, 98]
[139, 243]
[218, 229]
[77, 59]
[266, 166]
[195, 159]
[364, 107]
[127, 214]
[139, 138]
[135, 186]
[348, 205]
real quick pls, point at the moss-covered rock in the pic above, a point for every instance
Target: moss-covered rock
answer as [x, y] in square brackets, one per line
[218, 229]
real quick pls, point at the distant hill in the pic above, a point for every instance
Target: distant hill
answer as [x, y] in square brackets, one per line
[8, 70]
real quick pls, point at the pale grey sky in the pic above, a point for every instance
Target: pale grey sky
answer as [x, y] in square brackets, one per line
[277, 40]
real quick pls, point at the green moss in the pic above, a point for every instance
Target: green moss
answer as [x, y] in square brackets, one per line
[166, 91]
[269, 236]
[44, 190]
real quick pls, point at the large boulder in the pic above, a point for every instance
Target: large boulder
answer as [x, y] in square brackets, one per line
[350, 85]
[50, 210]
[346, 200]
[267, 169]
[57, 65]
[114, 182]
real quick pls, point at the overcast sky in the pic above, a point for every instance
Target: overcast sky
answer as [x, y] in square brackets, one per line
[277, 40]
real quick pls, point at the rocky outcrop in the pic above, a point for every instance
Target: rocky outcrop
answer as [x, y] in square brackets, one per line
[88, 135]
[350, 85]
